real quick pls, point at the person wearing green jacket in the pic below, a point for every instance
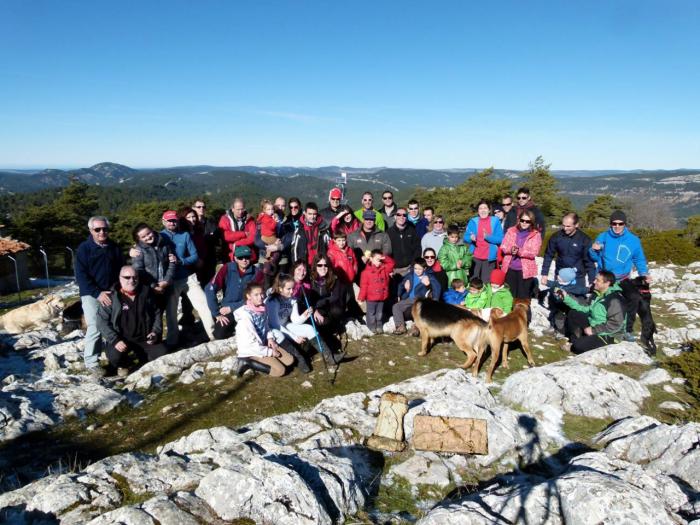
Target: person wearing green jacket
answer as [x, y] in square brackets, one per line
[455, 258]
[479, 295]
[596, 324]
[500, 292]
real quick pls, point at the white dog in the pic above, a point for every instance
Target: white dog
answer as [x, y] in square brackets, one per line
[33, 316]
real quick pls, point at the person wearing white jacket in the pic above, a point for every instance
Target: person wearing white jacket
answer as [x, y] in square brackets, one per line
[257, 348]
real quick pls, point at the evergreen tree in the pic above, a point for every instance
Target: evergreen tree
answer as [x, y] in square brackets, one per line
[458, 204]
[544, 191]
[597, 213]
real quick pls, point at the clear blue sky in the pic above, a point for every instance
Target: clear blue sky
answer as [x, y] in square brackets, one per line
[594, 84]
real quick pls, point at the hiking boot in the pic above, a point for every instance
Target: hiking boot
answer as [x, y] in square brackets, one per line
[629, 337]
[400, 330]
[245, 364]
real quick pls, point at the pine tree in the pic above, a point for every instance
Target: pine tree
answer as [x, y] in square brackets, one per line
[544, 191]
[597, 213]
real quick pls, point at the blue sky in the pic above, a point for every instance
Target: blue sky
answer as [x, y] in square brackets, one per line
[595, 84]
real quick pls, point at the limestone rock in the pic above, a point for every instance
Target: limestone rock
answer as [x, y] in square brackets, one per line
[671, 449]
[450, 434]
[618, 353]
[671, 405]
[424, 468]
[388, 432]
[575, 388]
[655, 377]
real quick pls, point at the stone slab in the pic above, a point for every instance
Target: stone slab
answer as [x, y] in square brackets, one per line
[450, 434]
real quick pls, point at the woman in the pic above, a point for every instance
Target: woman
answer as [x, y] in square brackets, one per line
[256, 346]
[436, 234]
[189, 222]
[285, 320]
[434, 268]
[328, 295]
[484, 234]
[345, 221]
[301, 283]
[521, 245]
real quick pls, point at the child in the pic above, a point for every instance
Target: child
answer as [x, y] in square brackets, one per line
[255, 342]
[479, 295]
[267, 222]
[500, 293]
[417, 283]
[566, 280]
[374, 287]
[342, 258]
[454, 258]
[457, 294]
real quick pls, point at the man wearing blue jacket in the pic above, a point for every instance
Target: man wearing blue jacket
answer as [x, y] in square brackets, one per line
[232, 278]
[97, 264]
[185, 279]
[617, 250]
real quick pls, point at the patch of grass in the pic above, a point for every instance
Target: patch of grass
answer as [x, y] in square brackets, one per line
[397, 497]
[581, 429]
[687, 366]
[632, 370]
[129, 497]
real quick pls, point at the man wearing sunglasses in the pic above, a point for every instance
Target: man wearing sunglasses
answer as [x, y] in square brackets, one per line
[618, 250]
[368, 205]
[212, 240]
[524, 202]
[232, 278]
[414, 217]
[388, 209]
[335, 197]
[97, 265]
[237, 228]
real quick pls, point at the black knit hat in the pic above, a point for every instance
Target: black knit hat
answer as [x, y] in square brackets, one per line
[618, 215]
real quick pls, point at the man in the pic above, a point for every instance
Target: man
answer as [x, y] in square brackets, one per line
[617, 250]
[415, 218]
[368, 238]
[595, 325]
[405, 245]
[131, 322]
[212, 239]
[570, 248]
[184, 280]
[238, 229]
[525, 203]
[232, 278]
[388, 209]
[97, 265]
[511, 216]
[280, 206]
[333, 208]
[311, 235]
[367, 205]
[428, 214]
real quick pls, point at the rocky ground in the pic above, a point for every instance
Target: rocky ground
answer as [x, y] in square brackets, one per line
[544, 465]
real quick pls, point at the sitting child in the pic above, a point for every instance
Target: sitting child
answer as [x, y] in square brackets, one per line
[479, 295]
[500, 292]
[374, 287]
[456, 294]
[566, 280]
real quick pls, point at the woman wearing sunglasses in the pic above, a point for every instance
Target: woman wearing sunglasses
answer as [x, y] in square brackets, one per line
[520, 246]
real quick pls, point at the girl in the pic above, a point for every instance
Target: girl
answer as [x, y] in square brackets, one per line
[345, 222]
[267, 224]
[256, 345]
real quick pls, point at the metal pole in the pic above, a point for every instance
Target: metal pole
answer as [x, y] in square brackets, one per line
[72, 260]
[14, 261]
[46, 267]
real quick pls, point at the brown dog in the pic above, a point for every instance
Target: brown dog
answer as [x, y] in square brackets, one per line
[32, 316]
[500, 333]
[436, 319]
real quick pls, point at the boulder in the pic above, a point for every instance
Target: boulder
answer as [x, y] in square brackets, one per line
[615, 354]
[655, 377]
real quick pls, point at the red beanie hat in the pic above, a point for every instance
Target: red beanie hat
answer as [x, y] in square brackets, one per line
[498, 277]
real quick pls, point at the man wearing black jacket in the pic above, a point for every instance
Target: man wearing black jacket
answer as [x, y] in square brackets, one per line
[405, 243]
[212, 240]
[570, 248]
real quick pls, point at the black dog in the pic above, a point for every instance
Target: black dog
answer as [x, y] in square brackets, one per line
[644, 311]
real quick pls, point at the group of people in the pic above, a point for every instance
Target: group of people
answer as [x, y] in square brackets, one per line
[292, 274]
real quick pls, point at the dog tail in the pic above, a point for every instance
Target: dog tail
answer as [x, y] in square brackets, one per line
[416, 310]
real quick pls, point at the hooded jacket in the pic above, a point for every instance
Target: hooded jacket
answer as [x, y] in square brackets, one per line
[527, 253]
[501, 298]
[619, 253]
[154, 263]
[344, 262]
[376, 280]
[448, 256]
[309, 239]
[251, 342]
[606, 312]
[494, 238]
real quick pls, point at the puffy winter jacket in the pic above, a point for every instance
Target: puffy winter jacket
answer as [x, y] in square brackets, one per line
[502, 298]
[619, 253]
[344, 262]
[571, 251]
[527, 253]
[238, 233]
[449, 255]
[153, 264]
[251, 342]
[375, 281]
[494, 238]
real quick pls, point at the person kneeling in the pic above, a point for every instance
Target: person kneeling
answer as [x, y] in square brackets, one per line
[595, 325]
[132, 322]
[255, 342]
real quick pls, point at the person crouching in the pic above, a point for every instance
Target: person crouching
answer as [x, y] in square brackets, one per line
[255, 342]
[133, 322]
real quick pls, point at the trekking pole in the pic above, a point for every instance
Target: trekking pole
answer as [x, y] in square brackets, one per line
[313, 324]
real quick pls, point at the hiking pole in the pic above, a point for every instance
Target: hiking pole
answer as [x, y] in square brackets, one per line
[313, 324]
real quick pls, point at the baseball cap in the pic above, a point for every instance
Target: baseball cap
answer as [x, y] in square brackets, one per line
[170, 215]
[242, 251]
[335, 193]
[369, 214]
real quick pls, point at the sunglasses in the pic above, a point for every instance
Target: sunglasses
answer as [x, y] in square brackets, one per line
[387, 198]
[100, 230]
[400, 215]
[412, 209]
[526, 221]
[367, 200]
[616, 223]
[199, 207]
[523, 198]
[243, 258]
[293, 207]
[439, 222]
[507, 204]
[334, 199]
[321, 265]
[429, 257]
[171, 220]
[129, 277]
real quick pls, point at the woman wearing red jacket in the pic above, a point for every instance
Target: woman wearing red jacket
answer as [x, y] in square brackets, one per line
[374, 288]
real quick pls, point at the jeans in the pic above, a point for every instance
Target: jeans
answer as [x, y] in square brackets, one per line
[375, 309]
[401, 310]
[93, 340]
[195, 294]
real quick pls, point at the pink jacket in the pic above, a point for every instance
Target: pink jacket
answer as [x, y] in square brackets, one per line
[527, 253]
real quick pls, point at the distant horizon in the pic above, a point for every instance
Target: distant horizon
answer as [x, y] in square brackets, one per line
[173, 166]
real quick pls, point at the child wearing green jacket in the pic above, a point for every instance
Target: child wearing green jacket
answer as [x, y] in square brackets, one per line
[454, 258]
[479, 296]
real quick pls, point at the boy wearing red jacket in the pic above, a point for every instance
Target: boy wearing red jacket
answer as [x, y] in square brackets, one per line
[374, 287]
[342, 259]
